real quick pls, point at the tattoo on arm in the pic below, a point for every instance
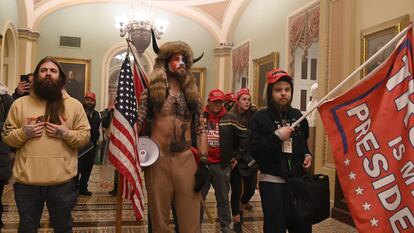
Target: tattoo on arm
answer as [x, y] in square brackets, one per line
[143, 109]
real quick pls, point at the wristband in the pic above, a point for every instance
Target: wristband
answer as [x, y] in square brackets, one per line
[277, 133]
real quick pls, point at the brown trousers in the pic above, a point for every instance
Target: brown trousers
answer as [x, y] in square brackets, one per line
[171, 180]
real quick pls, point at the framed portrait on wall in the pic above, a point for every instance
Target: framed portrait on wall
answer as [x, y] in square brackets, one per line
[199, 74]
[78, 76]
[261, 67]
[374, 38]
[240, 60]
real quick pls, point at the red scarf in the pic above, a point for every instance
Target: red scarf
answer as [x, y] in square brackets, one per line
[214, 118]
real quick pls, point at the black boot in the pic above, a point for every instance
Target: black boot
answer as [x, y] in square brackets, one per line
[241, 217]
[237, 227]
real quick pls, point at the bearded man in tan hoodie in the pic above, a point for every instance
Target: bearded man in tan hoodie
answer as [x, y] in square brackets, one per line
[46, 127]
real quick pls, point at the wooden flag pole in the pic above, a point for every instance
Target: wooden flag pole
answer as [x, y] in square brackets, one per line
[118, 220]
[209, 216]
[397, 37]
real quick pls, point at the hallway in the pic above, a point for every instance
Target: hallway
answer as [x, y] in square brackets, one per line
[96, 214]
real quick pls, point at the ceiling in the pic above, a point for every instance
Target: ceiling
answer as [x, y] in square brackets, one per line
[219, 17]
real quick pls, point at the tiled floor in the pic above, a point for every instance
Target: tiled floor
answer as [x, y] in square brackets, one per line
[97, 214]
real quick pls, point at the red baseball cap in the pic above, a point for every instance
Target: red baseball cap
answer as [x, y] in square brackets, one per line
[90, 95]
[230, 97]
[215, 95]
[243, 91]
[276, 74]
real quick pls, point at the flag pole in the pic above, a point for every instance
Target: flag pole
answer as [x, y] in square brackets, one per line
[134, 53]
[119, 206]
[397, 37]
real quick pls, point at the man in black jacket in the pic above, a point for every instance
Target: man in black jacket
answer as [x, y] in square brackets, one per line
[226, 137]
[5, 161]
[280, 151]
[86, 161]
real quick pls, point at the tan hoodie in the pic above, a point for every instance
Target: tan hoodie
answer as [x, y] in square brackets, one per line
[45, 160]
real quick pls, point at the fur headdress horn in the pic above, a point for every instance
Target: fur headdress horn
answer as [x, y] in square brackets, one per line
[158, 78]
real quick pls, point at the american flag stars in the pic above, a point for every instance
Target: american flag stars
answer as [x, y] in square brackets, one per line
[126, 100]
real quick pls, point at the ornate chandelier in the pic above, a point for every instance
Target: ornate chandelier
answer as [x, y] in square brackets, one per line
[139, 25]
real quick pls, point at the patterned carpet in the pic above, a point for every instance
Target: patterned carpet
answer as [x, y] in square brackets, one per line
[96, 214]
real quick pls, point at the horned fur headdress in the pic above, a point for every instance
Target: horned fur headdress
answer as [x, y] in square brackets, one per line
[158, 79]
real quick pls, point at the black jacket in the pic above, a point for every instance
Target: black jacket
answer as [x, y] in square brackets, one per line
[233, 138]
[5, 102]
[5, 162]
[243, 159]
[94, 121]
[17, 95]
[266, 147]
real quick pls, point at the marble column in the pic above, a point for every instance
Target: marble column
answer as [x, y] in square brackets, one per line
[223, 64]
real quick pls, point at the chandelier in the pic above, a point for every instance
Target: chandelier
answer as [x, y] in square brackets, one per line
[139, 25]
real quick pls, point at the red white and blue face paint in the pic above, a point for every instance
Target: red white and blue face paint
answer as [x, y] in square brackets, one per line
[176, 62]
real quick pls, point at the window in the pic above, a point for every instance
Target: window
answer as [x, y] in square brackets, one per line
[303, 98]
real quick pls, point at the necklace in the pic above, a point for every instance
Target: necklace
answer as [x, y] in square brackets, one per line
[175, 96]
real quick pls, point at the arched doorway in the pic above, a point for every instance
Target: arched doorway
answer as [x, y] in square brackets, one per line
[115, 66]
[9, 58]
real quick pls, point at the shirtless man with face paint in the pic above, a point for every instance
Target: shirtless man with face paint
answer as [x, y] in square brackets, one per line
[171, 108]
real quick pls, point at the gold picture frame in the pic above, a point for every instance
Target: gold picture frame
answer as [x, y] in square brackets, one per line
[199, 74]
[77, 76]
[261, 67]
[374, 38]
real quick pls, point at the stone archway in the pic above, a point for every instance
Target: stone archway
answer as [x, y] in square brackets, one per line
[9, 57]
[111, 65]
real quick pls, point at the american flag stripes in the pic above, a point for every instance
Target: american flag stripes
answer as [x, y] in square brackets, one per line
[123, 151]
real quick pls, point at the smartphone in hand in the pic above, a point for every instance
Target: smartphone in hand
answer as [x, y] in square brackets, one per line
[39, 119]
[24, 78]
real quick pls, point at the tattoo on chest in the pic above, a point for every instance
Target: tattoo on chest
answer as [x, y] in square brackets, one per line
[178, 142]
[177, 106]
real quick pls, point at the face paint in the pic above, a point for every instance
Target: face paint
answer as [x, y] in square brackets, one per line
[176, 62]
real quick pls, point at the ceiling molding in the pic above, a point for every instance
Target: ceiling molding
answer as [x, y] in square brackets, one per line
[199, 11]
[216, 11]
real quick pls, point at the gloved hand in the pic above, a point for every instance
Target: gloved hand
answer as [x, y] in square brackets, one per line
[201, 176]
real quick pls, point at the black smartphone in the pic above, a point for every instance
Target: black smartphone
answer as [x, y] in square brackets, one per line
[24, 78]
[39, 119]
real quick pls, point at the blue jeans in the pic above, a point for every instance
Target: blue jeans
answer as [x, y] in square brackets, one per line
[273, 197]
[60, 200]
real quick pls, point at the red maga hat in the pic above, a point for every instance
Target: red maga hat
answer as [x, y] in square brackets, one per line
[230, 97]
[215, 95]
[90, 95]
[276, 74]
[243, 91]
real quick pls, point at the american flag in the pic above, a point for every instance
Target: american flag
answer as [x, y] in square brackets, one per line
[124, 138]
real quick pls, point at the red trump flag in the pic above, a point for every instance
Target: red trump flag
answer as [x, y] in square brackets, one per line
[371, 130]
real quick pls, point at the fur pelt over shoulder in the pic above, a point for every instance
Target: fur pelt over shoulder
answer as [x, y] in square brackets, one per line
[158, 79]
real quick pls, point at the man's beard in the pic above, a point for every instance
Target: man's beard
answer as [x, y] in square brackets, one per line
[89, 107]
[180, 75]
[282, 108]
[47, 89]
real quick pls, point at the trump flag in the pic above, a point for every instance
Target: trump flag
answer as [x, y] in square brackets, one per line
[371, 131]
